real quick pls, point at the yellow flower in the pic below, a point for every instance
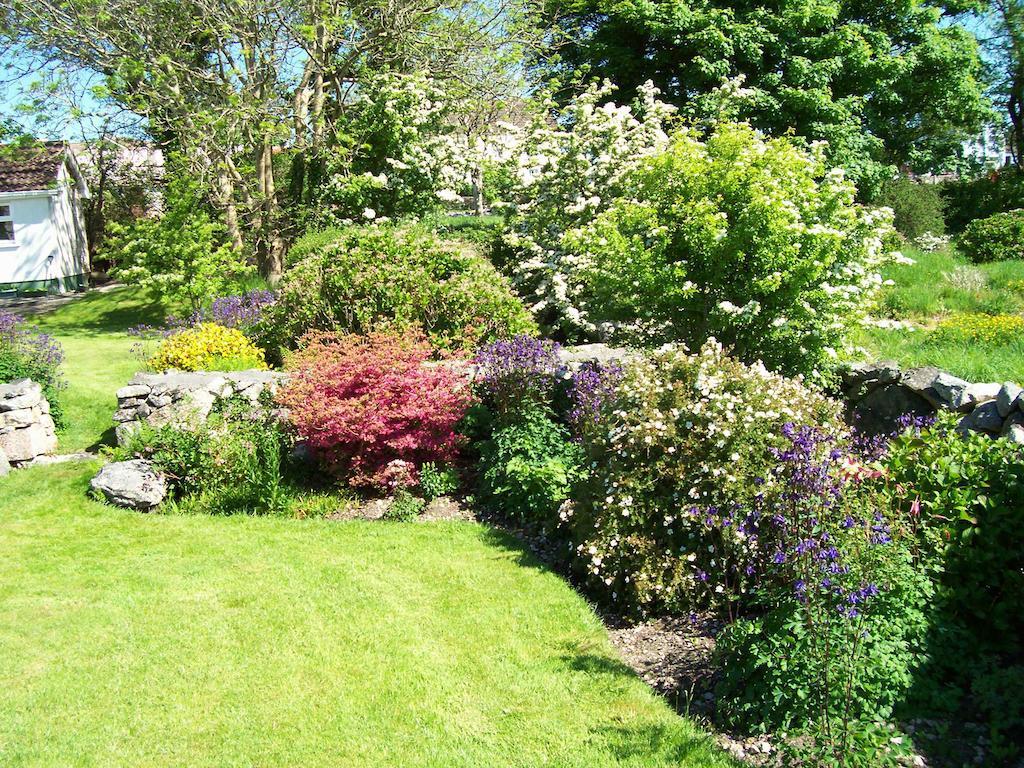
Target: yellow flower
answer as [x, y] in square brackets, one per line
[207, 347]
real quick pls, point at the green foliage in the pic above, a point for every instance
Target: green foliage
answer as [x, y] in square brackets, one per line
[26, 352]
[182, 254]
[384, 277]
[982, 196]
[885, 83]
[917, 208]
[773, 665]
[404, 507]
[966, 493]
[437, 480]
[234, 462]
[1000, 237]
[527, 467]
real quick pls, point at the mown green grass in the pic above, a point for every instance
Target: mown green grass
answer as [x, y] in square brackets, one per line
[939, 286]
[165, 640]
[98, 360]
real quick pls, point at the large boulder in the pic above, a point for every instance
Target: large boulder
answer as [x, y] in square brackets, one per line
[135, 484]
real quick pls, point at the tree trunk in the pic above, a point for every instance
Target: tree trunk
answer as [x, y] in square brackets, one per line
[270, 251]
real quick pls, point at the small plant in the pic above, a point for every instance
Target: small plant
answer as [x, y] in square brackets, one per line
[28, 353]
[404, 507]
[528, 467]
[997, 238]
[437, 480]
[207, 347]
[365, 402]
[514, 375]
[972, 327]
[970, 279]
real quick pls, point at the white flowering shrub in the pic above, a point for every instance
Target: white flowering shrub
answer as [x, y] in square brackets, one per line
[628, 233]
[397, 153]
[688, 441]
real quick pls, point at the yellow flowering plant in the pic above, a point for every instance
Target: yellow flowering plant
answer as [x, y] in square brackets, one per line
[977, 327]
[207, 347]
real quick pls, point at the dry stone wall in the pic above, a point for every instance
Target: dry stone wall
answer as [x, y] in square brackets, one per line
[163, 398]
[877, 394]
[26, 428]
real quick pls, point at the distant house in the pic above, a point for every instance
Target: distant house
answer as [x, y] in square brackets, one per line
[42, 228]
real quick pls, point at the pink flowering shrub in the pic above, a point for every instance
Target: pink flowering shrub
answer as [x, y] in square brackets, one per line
[372, 407]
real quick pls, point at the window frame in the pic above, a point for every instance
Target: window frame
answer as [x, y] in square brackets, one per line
[8, 216]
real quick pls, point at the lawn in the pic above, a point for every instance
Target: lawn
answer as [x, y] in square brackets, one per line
[167, 640]
[97, 348]
[939, 286]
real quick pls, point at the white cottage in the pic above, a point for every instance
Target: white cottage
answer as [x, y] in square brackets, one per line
[42, 228]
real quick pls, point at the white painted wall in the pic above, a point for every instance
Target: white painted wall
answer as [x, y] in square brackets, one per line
[35, 240]
[49, 234]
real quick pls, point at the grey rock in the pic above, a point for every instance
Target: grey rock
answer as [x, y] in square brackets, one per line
[5, 465]
[1013, 428]
[880, 410]
[134, 390]
[159, 401]
[25, 444]
[1007, 398]
[23, 393]
[947, 391]
[984, 418]
[573, 357]
[974, 395]
[135, 484]
[125, 415]
[919, 379]
[124, 431]
[22, 417]
[861, 378]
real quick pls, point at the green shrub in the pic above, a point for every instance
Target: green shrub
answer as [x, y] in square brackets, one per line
[527, 468]
[981, 197]
[404, 507]
[997, 238]
[917, 208]
[396, 278]
[234, 461]
[966, 494]
[438, 480]
[183, 254]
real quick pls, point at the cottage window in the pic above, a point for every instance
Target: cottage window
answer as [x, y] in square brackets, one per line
[6, 224]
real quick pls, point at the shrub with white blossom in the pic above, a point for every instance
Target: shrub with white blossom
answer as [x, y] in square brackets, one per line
[629, 232]
[688, 436]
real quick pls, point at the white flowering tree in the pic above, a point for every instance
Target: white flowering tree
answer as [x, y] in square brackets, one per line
[631, 231]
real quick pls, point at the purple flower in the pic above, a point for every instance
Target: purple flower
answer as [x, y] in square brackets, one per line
[592, 389]
[515, 372]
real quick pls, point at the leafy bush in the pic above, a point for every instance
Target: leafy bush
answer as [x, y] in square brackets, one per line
[389, 278]
[687, 440]
[997, 238]
[404, 507]
[438, 480]
[28, 353]
[917, 208]
[365, 402]
[234, 461]
[182, 254]
[747, 239]
[527, 467]
[839, 604]
[968, 199]
[207, 347]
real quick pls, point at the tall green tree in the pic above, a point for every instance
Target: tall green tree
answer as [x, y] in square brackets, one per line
[885, 82]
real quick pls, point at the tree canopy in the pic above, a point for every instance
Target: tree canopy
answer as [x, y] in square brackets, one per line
[883, 81]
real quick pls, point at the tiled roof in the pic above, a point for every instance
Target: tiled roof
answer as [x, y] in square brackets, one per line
[30, 168]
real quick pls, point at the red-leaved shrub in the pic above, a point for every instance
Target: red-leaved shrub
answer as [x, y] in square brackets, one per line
[364, 402]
